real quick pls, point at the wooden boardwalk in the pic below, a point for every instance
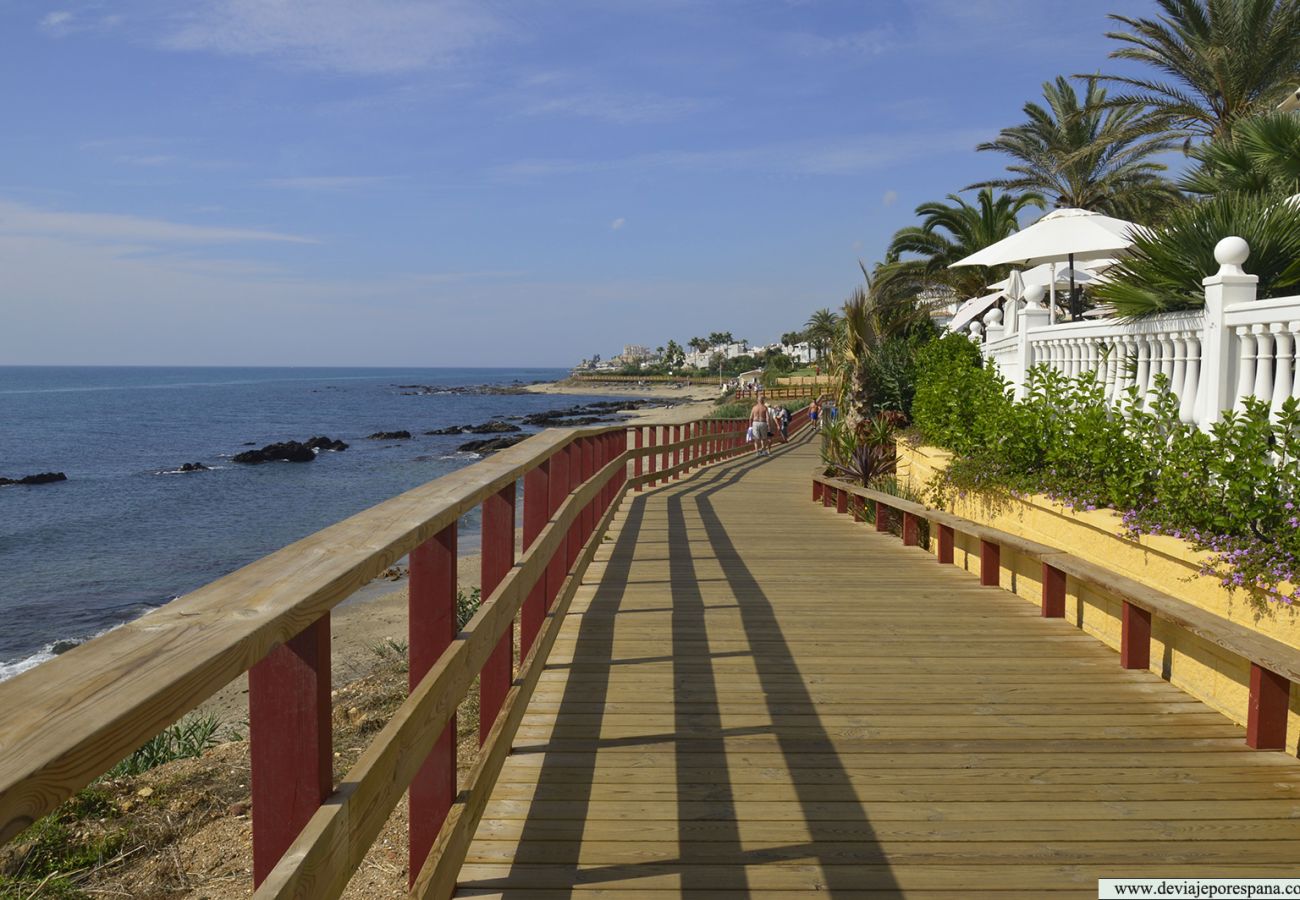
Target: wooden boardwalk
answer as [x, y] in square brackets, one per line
[753, 696]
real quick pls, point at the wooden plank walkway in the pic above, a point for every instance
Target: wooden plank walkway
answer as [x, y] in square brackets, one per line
[756, 697]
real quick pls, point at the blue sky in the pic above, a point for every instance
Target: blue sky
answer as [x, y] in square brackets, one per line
[392, 182]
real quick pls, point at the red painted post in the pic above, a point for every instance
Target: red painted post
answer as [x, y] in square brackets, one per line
[290, 743]
[817, 491]
[1270, 697]
[882, 516]
[1053, 592]
[1135, 637]
[841, 501]
[653, 457]
[588, 469]
[498, 556]
[575, 539]
[637, 467]
[946, 540]
[558, 492]
[537, 491]
[677, 454]
[431, 626]
[859, 507]
[990, 564]
[911, 530]
[827, 496]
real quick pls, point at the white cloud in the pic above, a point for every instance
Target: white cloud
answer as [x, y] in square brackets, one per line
[22, 220]
[890, 198]
[870, 42]
[617, 224]
[621, 109]
[329, 183]
[57, 21]
[374, 37]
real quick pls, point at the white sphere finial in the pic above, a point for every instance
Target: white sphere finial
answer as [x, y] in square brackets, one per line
[1034, 295]
[1230, 253]
[993, 318]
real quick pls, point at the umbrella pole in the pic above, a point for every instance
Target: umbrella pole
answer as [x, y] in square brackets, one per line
[1076, 308]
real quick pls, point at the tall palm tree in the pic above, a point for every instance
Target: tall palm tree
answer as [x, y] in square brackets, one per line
[948, 232]
[820, 330]
[1261, 155]
[1086, 154]
[1224, 60]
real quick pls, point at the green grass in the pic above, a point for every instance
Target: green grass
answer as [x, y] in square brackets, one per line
[51, 854]
[187, 739]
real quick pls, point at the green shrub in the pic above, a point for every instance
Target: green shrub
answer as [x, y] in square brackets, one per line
[187, 739]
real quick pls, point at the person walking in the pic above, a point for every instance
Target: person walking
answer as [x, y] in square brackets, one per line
[814, 413]
[785, 425]
[758, 422]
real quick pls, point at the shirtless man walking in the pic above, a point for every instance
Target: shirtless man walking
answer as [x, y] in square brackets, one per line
[758, 422]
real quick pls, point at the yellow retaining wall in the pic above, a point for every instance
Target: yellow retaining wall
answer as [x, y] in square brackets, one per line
[1204, 670]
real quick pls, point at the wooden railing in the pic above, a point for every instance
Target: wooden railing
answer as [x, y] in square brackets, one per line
[69, 720]
[1273, 664]
[595, 377]
[773, 393]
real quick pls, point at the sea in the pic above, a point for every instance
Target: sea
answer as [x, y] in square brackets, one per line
[127, 532]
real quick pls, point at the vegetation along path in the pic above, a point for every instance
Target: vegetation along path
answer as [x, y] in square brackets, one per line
[754, 696]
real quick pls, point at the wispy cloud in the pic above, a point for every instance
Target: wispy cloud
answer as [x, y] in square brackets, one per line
[375, 37]
[890, 198]
[838, 156]
[617, 224]
[869, 42]
[24, 220]
[330, 183]
[621, 109]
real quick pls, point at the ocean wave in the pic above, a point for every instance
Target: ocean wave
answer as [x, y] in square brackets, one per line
[190, 472]
[13, 667]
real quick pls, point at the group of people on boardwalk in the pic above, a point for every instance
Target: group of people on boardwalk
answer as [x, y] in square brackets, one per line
[765, 422]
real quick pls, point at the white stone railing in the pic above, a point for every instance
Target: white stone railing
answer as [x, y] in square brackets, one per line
[1211, 359]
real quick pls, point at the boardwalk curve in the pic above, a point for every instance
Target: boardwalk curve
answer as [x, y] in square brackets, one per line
[751, 696]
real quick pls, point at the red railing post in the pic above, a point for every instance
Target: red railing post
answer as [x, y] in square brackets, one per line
[1053, 592]
[636, 466]
[1270, 697]
[677, 452]
[828, 496]
[817, 491]
[498, 556]
[557, 492]
[588, 469]
[290, 742]
[858, 505]
[841, 501]
[537, 498]
[653, 458]
[911, 530]
[431, 627]
[1135, 637]
[946, 541]
[882, 516]
[575, 539]
[990, 564]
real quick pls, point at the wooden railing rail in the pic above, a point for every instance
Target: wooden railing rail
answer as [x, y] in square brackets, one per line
[775, 393]
[1274, 666]
[69, 720]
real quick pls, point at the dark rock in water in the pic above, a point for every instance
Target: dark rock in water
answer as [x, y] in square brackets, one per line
[389, 436]
[580, 422]
[322, 442]
[193, 467]
[250, 443]
[453, 429]
[493, 428]
[289, 451]
[58, 648]
[409, 390]
[42, 478]
[489, 444]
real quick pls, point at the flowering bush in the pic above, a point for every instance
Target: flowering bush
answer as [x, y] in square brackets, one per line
[1233, 492]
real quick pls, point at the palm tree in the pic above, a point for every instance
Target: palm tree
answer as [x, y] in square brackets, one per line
[949, 232]
[1224, 60]
[820, 330]
[1086, 155]
[1261, 155]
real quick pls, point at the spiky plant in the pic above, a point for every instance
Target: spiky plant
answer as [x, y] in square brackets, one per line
[1081, 154]
[1221, 61]
[1164, 270]
[1261, 155]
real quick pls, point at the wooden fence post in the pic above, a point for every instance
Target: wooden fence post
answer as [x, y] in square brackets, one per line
[557, 493]
[1135, 637]
[841, 501]
[911, 530]
[537, 499]
[636, 466]
[817, 491]
[574, 540]
[1053, 592]
[431, 626]
[677, 453]
[1270, 698]
[990, 564]
[498, 550]
[946, 541]
[882, 516]
[290, 742]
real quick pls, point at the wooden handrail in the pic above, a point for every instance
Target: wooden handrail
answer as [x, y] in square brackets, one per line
[69, 720]
[1274, 665]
